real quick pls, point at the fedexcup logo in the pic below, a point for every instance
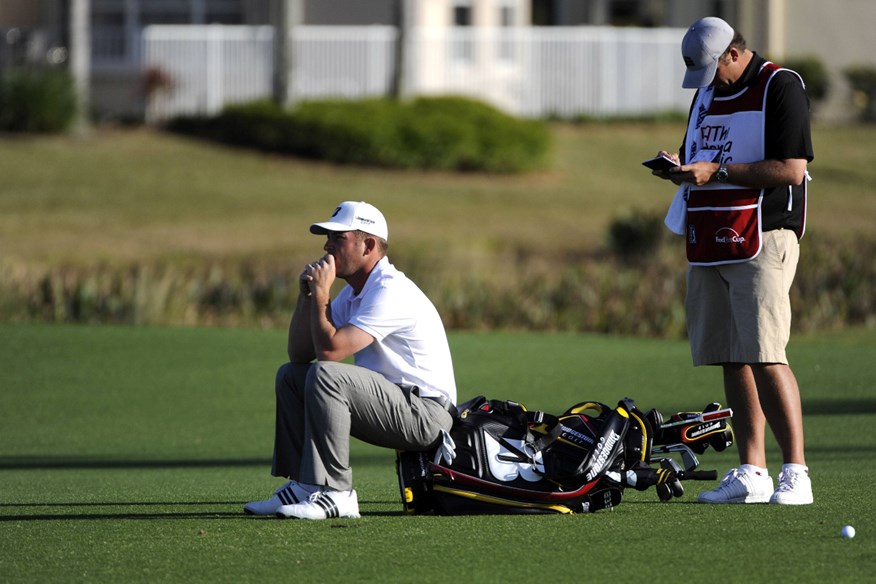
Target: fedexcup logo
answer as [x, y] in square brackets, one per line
[728, 235]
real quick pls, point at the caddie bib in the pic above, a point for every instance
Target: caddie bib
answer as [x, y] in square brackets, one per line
[724, 220]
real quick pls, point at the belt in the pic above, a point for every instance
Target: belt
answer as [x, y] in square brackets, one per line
[441, 399]
[445, 403]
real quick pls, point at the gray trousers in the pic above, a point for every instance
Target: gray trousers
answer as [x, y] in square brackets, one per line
[320, 405]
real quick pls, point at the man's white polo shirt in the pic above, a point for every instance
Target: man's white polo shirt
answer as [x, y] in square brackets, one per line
[410, 344]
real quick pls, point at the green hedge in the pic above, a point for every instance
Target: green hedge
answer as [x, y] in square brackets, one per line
[36, 100]
[862, 79]
[447, 133]
[814, 74]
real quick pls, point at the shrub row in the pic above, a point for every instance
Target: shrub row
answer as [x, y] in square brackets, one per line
[36, 100]
[449, 133]
[835, 287]
[814, 73]
[862, 79]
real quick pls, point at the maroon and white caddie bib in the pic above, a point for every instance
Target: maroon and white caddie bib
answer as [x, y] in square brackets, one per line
[724, 220]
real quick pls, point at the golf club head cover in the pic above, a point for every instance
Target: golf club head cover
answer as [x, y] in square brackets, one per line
[668, 484]
[698, 436]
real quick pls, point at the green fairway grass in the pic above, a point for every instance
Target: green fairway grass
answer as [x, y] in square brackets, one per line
[126, 455]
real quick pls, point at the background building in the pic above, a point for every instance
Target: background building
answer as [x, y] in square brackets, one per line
[36, 31]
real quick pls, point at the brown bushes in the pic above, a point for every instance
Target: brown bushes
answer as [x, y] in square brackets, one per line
[835, 288]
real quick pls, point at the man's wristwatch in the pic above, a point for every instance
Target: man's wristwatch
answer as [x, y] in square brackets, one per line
[722, 175]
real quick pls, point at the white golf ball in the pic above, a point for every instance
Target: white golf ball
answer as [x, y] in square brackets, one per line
[848, 532]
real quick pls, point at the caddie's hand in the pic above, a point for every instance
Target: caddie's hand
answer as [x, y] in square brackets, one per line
[665, 174]
[697, 173]
[321, 274]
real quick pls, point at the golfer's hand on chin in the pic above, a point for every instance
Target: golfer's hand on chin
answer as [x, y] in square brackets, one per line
[322, 275]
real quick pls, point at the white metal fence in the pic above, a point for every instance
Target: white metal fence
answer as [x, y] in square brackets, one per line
[199, 69]
[533, 72]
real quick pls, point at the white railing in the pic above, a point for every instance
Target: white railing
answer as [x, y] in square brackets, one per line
[343, 61]
[544, 71]
[206, 67]
[532, 72]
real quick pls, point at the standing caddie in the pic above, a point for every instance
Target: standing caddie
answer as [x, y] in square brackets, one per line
[741, 206]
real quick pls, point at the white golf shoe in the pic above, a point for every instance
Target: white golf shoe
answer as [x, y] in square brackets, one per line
[289, 494]
[741, 486]
[794, 488]
[323, 504]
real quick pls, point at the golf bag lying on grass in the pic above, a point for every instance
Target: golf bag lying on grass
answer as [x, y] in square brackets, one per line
[501, 458]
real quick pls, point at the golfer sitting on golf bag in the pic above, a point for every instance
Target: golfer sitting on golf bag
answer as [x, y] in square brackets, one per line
[400, 392]
[501, 458]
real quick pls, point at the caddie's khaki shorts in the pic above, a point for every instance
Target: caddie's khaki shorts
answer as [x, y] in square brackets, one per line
[741, 313]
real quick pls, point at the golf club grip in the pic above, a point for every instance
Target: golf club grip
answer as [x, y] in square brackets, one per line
[699, 475]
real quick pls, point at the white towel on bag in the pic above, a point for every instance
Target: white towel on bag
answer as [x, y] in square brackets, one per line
[676, 216]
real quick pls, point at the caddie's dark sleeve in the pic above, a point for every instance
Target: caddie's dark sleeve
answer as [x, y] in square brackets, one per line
[787, 136]
[788, 132]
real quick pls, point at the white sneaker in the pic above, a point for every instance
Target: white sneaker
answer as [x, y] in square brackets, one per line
[794, 488]
[741, 486]
[324, 505]
[290, 493]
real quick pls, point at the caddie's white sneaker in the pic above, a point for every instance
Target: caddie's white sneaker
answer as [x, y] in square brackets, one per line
[324, 504]
[290, 493]
[741, 486]
[794, 488]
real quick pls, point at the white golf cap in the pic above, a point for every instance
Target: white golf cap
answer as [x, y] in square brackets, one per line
[705, 41]
[354, 216]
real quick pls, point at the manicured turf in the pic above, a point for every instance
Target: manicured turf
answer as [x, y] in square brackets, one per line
[126, 455]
